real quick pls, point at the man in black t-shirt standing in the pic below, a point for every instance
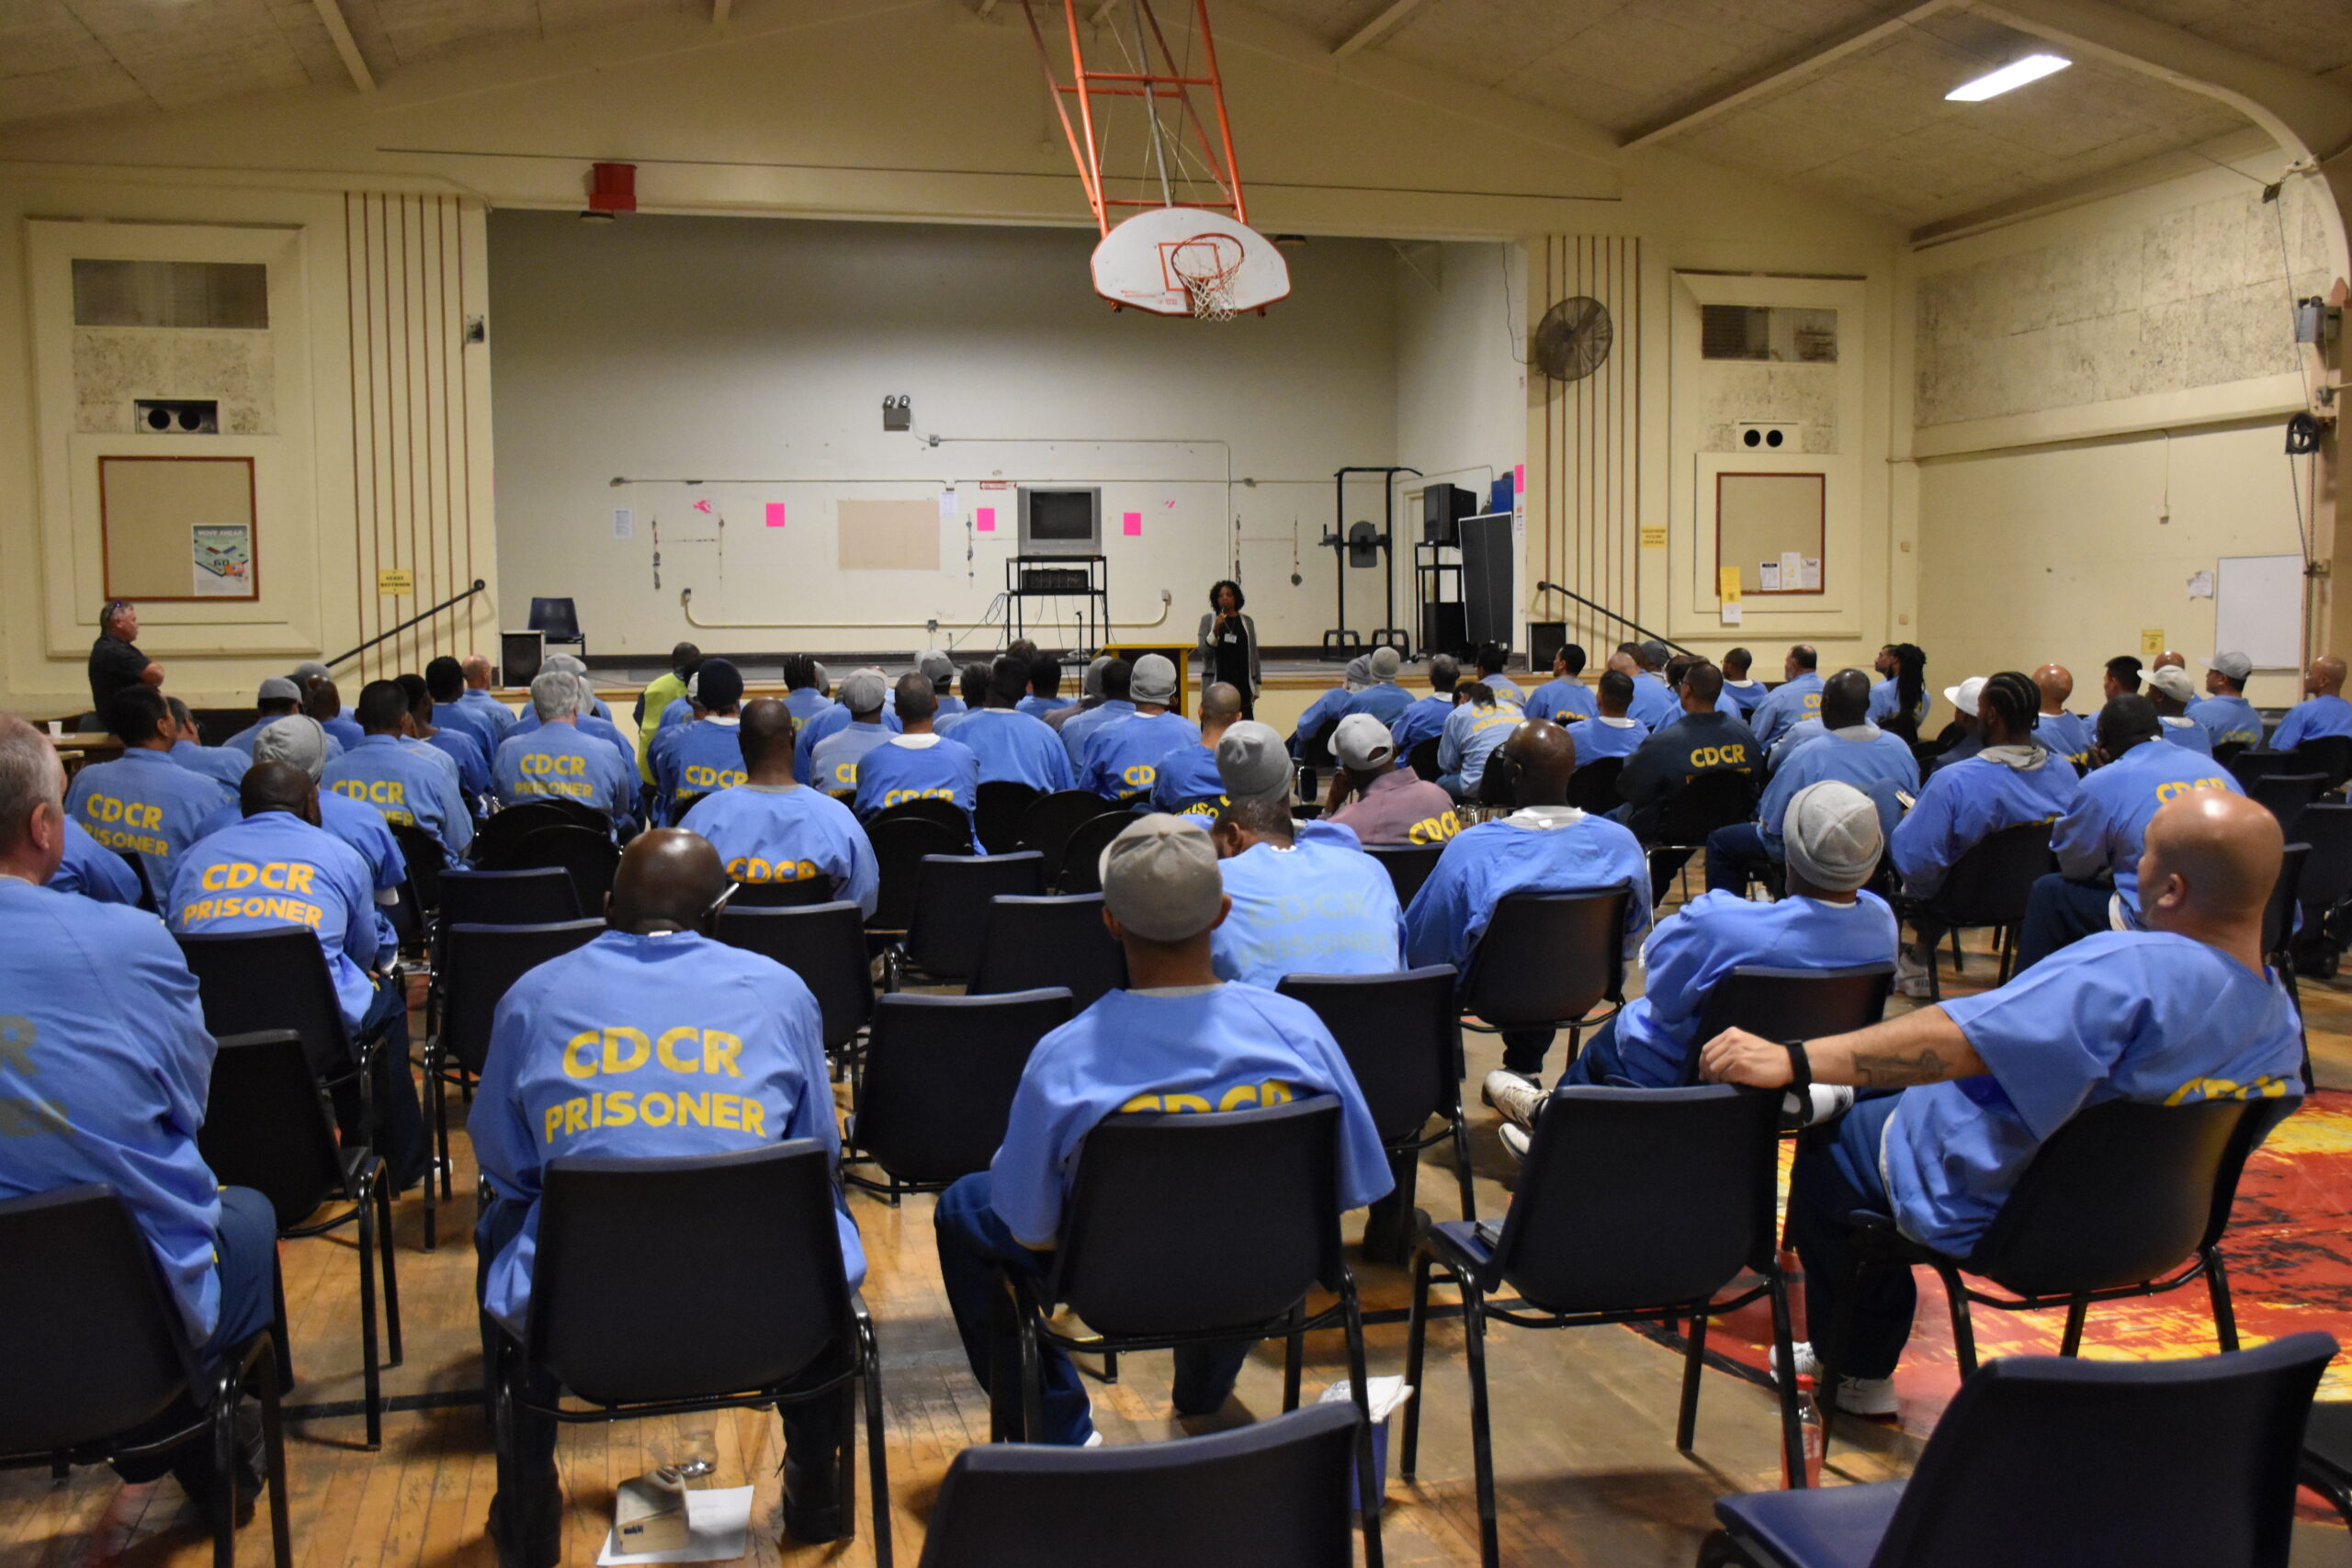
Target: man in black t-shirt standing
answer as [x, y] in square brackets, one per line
[115, 663]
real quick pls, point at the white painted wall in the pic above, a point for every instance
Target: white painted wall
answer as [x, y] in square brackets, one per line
[755, 355]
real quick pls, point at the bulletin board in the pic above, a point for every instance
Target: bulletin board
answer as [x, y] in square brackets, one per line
[1768, 521]
[890, 535]
[2258, 609]
[177, 528]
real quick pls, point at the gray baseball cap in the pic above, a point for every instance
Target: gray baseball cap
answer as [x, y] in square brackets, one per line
[862, 692]
[293, 739]
[1362, 743]
[311, 669]
[1358, 674]
[2236, 665]
[1831, 835]
[1160, 878]
[1153, 680]
[1385, 663]
[936, 667]
[279, 689]
[1253, 760]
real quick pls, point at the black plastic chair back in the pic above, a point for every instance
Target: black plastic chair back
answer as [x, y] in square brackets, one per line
[940, 1073]
[1548, 958]
[426, 861]
[1399, 1036]
[2259, 762]
[2326, 879]
[587, 856]
[268, 1126]
[1082, 856]
[1274, 1491]
[1719, 798]
[2229, 752]
[1050, 819]
[556, 617]
[1593, 786]
[2330, 756]
[535, 897]
[2053, 1459]
[494, 841]
[1792, 1004]
[899, 848]
[825, 945]
[2121, 1193]
[1407, 865]
[952, 894]
[1642, 1197]
[139, 874]
[947, 813]
[1993, 880]
[2278, 914]
[480, 963]
[996, 808]
[259, 982]
[1030, 943]
[1422, 760]
[1497, 787]
[798, 894]
[96, 1345]
[2286, 794]
[689, 1278]
[1182, 1221]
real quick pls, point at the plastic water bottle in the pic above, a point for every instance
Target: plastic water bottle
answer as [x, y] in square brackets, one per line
[1809, 1435]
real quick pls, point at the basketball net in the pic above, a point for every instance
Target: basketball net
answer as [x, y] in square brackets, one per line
[1206, 265]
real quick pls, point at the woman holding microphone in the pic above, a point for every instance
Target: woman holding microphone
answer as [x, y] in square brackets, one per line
[1229, 644]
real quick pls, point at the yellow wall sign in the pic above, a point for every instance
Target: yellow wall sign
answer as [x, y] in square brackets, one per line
[1652, 537]
[2152, 642]
[1727, 580]
[396, 580]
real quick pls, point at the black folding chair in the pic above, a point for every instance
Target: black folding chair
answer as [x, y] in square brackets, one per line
[98, 1355]
[1989, 884]
[2259, 762]
[1050, 819]
[1274, 1493]
[738, 1256]
[267, 1127]
[480, 965]
[2327, 1454]
[947, 813]
[2286, 794]
[2125, 1199]
[1496, 791]
[537, 897]
[1792, 1004]
[936, 1089]
[494, 841]
[1593, 786]
[419, 897]
[1401, 1040]
[2330, 756]
[799, 893]
[1027, 943]
[558, 622]
[2044, 1462]
[1082, 856]
[1546, 961]
[1187, 1229]
[899, 847]
[997, 807]
[825, 945]
[1407, 865]
[2229, 752]
[951, 911]
[1634, 1205]
[1422, 760]
[587, 856]
[2324, 882]
[1723, 797]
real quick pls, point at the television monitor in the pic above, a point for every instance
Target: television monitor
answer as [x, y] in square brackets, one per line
[1060, 521]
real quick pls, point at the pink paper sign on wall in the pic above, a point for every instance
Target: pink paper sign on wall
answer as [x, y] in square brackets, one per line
[775, 514]
[1131, 523]
[1519, 478]
[986, 519]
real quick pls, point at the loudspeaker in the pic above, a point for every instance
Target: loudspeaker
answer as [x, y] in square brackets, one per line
[1543, 642]
[1442, 630]
[1485, 578]
[519, 657]
[1443, 506]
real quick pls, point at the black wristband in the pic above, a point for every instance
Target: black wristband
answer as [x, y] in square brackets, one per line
[1800, 1068]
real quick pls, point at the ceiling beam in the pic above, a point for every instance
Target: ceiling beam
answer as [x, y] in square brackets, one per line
[1812, 58]
[346, 45]
[1372, 31]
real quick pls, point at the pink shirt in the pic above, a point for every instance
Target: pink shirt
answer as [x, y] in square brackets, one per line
[1401, 808]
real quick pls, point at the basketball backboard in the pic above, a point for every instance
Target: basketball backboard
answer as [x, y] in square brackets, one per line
[1189, 261]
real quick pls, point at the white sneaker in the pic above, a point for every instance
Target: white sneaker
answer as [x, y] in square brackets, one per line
[1516, 1095]
[1515, 1141]
[1910, 976]
[1856, 1396]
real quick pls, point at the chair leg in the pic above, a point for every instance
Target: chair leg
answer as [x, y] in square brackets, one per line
[877, 1456]
[1293, 1356]
[2007, 938]
[1110, 1367]
[1963, 1328]
[1416, 1350]
[2077, 1311]
[1482, 1447]
[283, 1344]
[273, 1448]
[371, 1379]
[1694, 1362]
[845, 1453]
[1935, 974]
[1792, 1432]
[1368, 1487]
[437, 1135]
[1461, 1170]
[2217, 1281]
[1959, 965]
[390, 1270]
[1722, 1549]
[1033, 1385]
[1829, 1355]
[225, 1474]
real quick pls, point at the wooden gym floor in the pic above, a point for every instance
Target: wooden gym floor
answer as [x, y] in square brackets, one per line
[1587, 1468]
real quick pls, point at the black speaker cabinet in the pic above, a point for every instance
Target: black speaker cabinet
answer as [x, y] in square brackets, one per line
[1543, 642]
[1487, 578]
[519, 657]
[1442, 506]
[1442, 630]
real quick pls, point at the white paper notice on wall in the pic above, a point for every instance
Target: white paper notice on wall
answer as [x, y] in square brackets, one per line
[1810, 579]
[947, 512]
[1731, 609]
[1768, 577]
[1792, 569]
[2201, 586]
[624, 523]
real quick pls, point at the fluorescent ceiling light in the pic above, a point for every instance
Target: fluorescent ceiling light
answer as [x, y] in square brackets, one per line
[2017, 74]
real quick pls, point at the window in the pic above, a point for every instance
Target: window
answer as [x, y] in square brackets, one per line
[1786, 334]
[170, 294]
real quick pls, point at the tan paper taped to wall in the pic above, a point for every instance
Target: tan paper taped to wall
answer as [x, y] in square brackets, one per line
[890, 535]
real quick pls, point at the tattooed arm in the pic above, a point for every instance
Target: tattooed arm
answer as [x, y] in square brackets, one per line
[1920, 1047]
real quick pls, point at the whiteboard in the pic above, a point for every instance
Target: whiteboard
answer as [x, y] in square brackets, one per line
[2258, 610]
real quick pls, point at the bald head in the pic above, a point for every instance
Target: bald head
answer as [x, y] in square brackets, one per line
[1845, 700]
[918, 701]
[2056, 683]
[1625, 663]
[766, 732]
[279, 787]
[2325, 677]
[1540, 757]
[477, 672]
[2207, 866]
[668, 880]
[2168, 659]
[1220, 706]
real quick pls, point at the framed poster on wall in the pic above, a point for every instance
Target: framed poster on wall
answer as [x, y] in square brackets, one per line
[177, 528]
[1769, 527]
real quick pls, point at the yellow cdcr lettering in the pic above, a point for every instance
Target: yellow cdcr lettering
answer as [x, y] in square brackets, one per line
[640, 1049]
[579, 1057]
[685, 1034]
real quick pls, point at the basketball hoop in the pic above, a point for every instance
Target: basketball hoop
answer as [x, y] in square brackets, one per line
[1205, 265]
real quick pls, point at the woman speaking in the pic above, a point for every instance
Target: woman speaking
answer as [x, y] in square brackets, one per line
[1229, 644]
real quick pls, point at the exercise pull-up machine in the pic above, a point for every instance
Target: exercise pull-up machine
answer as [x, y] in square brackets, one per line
[1362, 544]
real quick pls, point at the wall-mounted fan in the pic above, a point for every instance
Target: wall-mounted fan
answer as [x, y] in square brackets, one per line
[1573, 340]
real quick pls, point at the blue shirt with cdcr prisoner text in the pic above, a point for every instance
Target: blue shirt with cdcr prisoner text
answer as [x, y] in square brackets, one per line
[917, 767]
[830, 721]
[2101, 833]
[557, 762]
[788, 833]
[2067, 734]
[697, 759]
[1016, 749]
[94, 871]
[645, 1048]
[2229, 719]
[142, 803]
[1121, 761]
[1543, 849]
[1306, 908]
[274, 869]
[104, 1064]
[1970, 801]
[1787, 702]
[407, 789]
[1188, 785]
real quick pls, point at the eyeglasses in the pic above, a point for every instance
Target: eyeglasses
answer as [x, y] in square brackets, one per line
[708, 921]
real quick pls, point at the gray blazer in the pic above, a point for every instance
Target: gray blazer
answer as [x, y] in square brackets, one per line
[1208, 651]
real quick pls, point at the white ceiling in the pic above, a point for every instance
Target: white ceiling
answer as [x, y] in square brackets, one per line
[1869, 128]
